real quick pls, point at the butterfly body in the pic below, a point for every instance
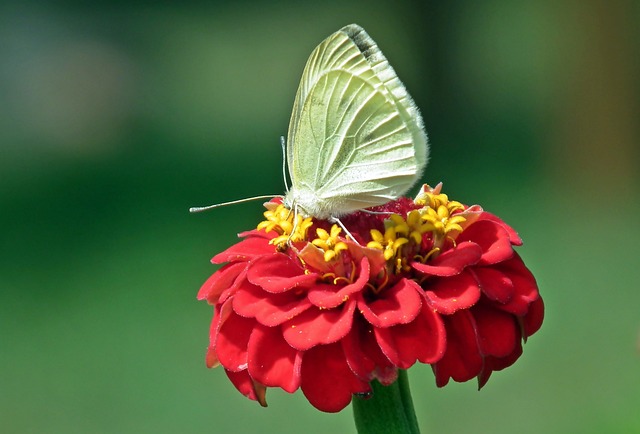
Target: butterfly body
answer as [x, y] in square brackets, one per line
[356, 138]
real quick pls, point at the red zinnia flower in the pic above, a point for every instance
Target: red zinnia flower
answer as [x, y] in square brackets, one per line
[299, 304]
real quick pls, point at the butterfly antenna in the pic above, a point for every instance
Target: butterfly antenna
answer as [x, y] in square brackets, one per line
[233, 202]
[283, 144]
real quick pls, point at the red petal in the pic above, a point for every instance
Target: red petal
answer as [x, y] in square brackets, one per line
[462, 360]
[327, 381]
[231, 342]
[319, 326]
[513, 235]
[397, 305]
[249, 388]
[497, 364]
[494, 284]
[497, 331]
[492, 238]
[525, 286]
[272, 361]
[245, 250]
[452, 261]
[327, 296]
[240, 281]
[267, 308]
[313, 258]
[424, 340]
[258, 233]
[364, 356]
[450, 294]
[375, 257]
[220, 314]
[219, 281]
[533, 319]
[278, 273]
[211, 360]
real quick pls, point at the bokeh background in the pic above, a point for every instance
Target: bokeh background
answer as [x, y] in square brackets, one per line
[115, 117]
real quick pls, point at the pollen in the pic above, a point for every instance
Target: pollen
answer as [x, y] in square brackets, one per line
[432, 198]
[384, 242]
[422, 230]
[290, 226]
[330, 242]
[439, 214]
[399, 232]
[399, 237]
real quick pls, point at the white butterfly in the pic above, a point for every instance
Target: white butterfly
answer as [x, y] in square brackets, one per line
[356, 138]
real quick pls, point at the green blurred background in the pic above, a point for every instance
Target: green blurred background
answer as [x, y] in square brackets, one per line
[115, 117]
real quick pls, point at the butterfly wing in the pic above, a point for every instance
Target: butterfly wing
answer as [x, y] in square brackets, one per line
[356, 138]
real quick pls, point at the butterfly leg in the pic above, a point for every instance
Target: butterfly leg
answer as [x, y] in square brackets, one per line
[346, 231]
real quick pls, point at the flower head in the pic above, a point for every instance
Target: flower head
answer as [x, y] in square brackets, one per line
[300, 304]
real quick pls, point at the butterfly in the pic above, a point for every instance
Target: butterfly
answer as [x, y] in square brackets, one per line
[356, 138]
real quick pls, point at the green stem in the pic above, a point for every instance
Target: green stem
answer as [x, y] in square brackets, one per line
[389, 410]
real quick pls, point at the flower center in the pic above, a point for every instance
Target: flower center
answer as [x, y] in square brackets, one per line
[401, 239]
[441, 215]
[292, 227]
[421, 234]
[409, 234]
[330, 243]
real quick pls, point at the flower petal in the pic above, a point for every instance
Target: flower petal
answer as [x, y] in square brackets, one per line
[245, 250]
[375, 257]
[524, 284]
[327, 381]
[497, 331]
[319, 326]
[221, 313]
[278, 273]
[231, 342]
[449, 295]
[494, 284]
[364, 356]
[471, 215]
[452, 261]
[272, 361]
[219, 281]
[399, 304]
[268, 309]
[313, 257]
[462, 360]
[513, 235]
[211, 359]
[327, 296]
[240, 281]
[424, 340]
[533, 320]
[492, 238]
[249, 388]
[497, 364]
[258, 233]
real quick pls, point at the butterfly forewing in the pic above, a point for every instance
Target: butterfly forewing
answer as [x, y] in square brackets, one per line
[356, 138]
[351, 142]
[337, 52]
